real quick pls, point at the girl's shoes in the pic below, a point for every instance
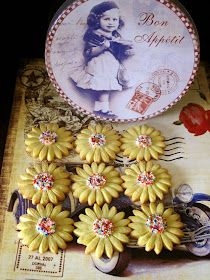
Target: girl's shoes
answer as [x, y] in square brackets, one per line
[108, 114]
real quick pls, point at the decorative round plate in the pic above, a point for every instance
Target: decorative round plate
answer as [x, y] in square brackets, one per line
[122, 60]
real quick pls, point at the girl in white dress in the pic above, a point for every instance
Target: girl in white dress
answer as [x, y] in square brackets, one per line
[104, 52]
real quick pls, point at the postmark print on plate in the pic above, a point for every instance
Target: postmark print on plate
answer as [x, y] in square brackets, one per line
[145, 94]
[166, 79]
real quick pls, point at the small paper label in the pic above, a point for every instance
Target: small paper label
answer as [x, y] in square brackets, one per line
[45, 264]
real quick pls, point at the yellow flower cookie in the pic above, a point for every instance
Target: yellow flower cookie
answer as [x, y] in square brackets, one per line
[49, 141]
[45, 183]
[102, 230]
[146, 182]
[155, 227]
[96, 183]
[45, 229]
[142, 143]
[98, 143]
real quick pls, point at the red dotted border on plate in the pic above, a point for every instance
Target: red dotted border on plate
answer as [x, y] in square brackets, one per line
[190, 27]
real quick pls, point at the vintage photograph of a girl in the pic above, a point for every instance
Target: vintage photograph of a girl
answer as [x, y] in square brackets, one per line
[104, 52]
[100, 55]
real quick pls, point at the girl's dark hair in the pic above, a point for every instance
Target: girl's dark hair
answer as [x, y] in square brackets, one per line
[93, 20]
